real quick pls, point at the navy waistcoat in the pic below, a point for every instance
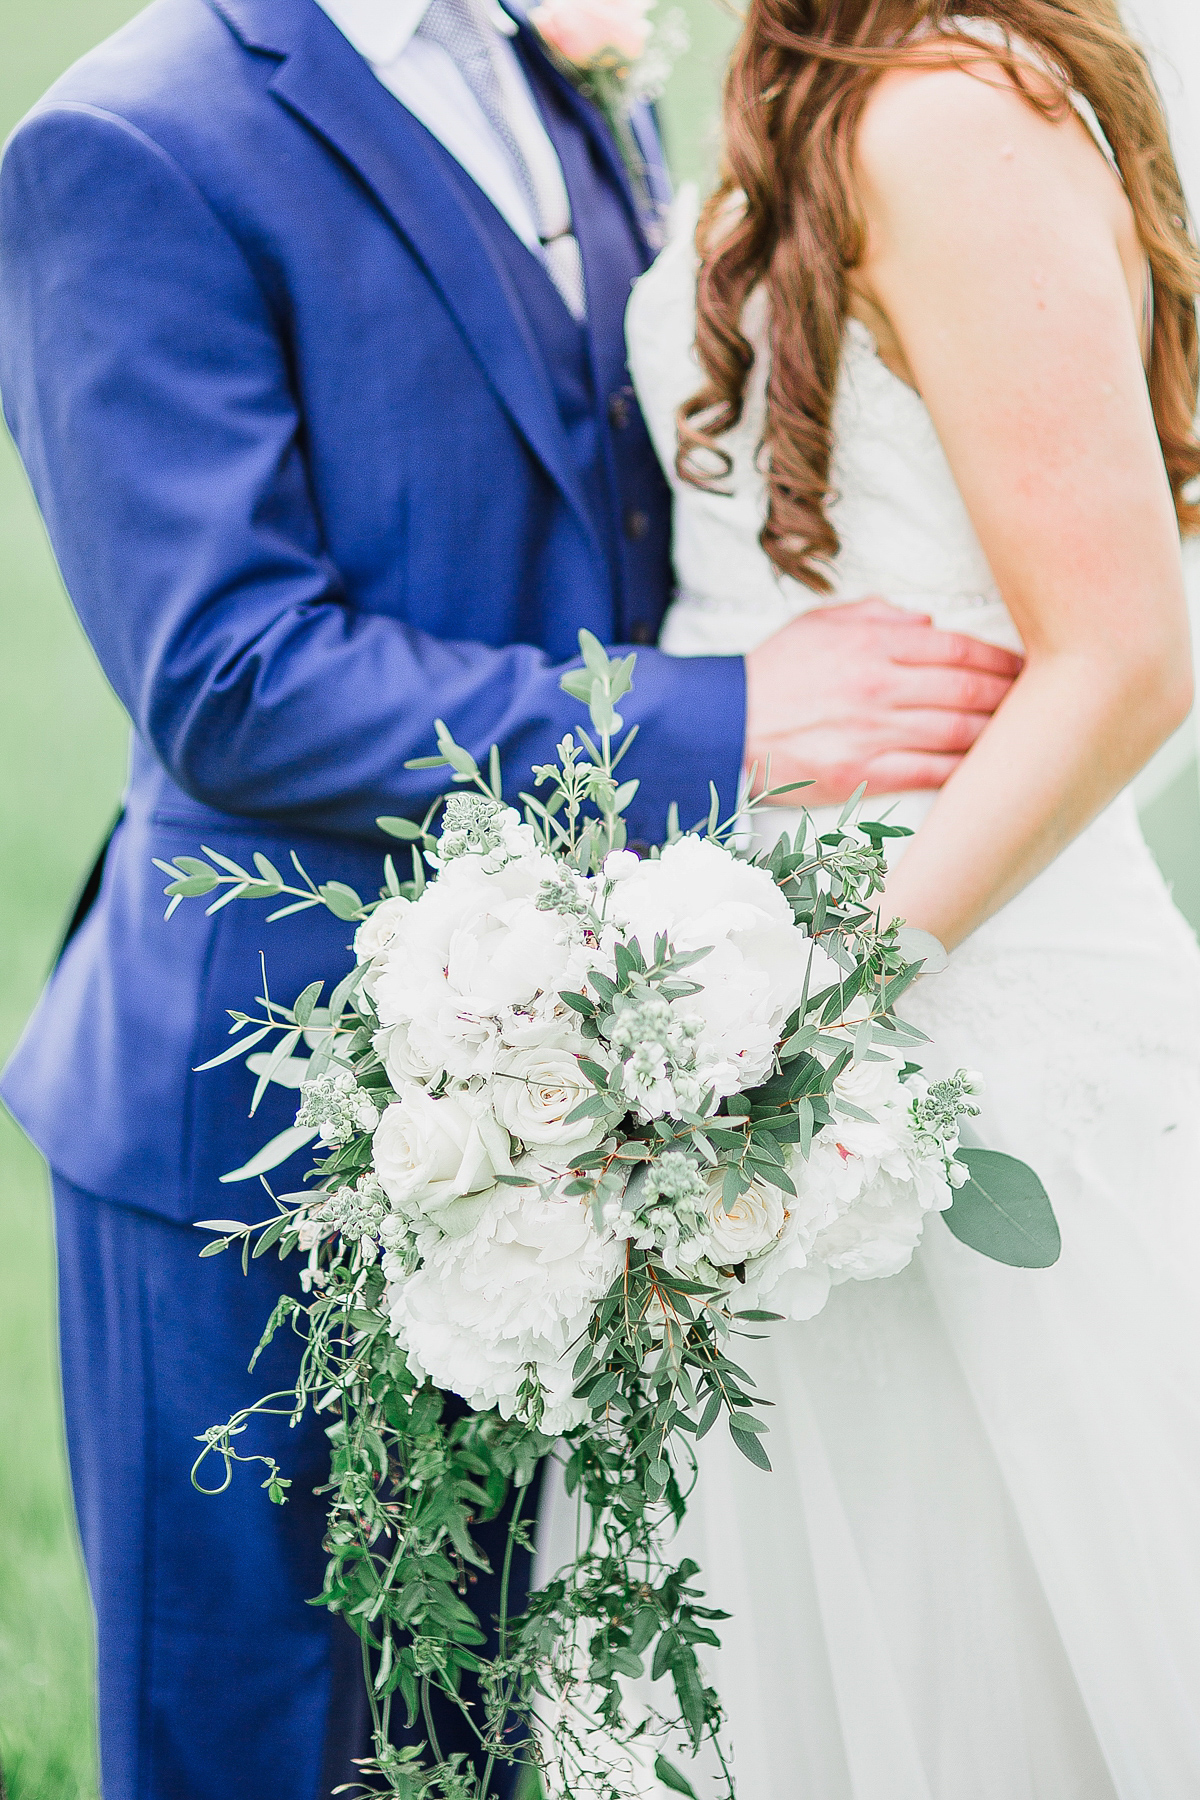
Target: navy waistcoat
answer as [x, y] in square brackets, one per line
[610, 446]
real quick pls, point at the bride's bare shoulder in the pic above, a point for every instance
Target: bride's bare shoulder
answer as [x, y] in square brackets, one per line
[961, 126]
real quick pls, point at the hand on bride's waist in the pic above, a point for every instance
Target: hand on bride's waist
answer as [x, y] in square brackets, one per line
[868, 692]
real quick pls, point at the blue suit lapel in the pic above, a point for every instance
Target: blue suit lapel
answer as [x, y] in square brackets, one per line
[324, 80]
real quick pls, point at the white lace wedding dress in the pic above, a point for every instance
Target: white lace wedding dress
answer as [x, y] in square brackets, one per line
[975, 1571]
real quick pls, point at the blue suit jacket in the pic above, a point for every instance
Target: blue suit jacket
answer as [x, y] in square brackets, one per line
[301, 464]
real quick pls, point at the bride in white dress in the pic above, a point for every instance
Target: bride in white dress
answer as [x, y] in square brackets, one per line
[975, 1571]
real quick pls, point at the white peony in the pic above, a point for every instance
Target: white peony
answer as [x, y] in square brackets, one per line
[518, 1289]
[430, 1152]
[877, 1180]
[484, 1370]
[534, 1091]
[537, 1264]
[544, 1024]
[468, 956]
[876, 1236]
[702, 897]
[797, 1288]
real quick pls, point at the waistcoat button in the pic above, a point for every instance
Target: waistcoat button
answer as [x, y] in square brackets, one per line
[637, 524]
[641, 632]
[620, 408]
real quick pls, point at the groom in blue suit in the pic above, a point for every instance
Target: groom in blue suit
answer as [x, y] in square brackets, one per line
[311, 340]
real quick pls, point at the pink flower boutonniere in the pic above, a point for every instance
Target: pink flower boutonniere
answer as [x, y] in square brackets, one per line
[616, 55]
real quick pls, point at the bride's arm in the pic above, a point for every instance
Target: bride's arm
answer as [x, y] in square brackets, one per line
[995, 254]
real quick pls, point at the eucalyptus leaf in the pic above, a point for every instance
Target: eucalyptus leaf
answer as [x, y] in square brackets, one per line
[594, 654]
[230, 894]
[460, 760]
[670, 1777]
[271, 1155]
[292, 1072]
[749, 1446]
[341, 900]
[1004, 1212]
[923, 947]
[404, 829]
[190, 887]
[267, 869]
[285, 912]
[303, 1009]
[237, 1049]
[279, 1055]
[226, 863]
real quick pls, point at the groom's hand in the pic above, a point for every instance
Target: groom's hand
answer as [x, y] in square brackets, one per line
[868, 692]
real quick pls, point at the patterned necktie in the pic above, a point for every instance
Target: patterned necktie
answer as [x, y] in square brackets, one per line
[455, 26]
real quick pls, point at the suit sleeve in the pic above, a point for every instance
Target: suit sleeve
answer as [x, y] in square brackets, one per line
[145, 382]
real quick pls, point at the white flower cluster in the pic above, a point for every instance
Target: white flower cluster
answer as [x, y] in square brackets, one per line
[657, 1046]
[501, 1086]
[336, 1105]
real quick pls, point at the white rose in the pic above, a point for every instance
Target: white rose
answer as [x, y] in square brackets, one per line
[745, 1229]
[788, 1279]
[375, 934]
[868, 1085]
[405, 1068]
[620, 863]
[533, 1091]
[431, 1152]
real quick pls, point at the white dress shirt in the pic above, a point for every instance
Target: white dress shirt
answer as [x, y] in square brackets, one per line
[425, 78]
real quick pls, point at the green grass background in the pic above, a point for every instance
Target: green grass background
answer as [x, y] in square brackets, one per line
[62, 759]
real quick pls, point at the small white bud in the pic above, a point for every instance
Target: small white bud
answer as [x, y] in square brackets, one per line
[620, 863]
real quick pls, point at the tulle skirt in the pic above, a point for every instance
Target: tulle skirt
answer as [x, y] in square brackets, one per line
[974, 1573]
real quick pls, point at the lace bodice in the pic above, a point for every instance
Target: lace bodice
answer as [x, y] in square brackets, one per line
[904, 530]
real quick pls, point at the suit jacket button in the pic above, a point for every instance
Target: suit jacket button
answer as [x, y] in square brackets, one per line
[637, 524]
[641, 632]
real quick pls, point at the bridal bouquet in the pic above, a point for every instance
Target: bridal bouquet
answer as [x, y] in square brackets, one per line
[584, 1119]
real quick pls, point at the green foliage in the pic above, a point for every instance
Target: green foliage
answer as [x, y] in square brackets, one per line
[655, 1368]
[1004, 1212]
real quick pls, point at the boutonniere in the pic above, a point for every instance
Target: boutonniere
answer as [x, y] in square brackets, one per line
[616, 56]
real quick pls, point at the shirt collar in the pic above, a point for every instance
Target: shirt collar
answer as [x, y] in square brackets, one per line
[380, 30]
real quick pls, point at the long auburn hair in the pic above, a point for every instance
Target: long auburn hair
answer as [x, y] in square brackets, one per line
[785, 218]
